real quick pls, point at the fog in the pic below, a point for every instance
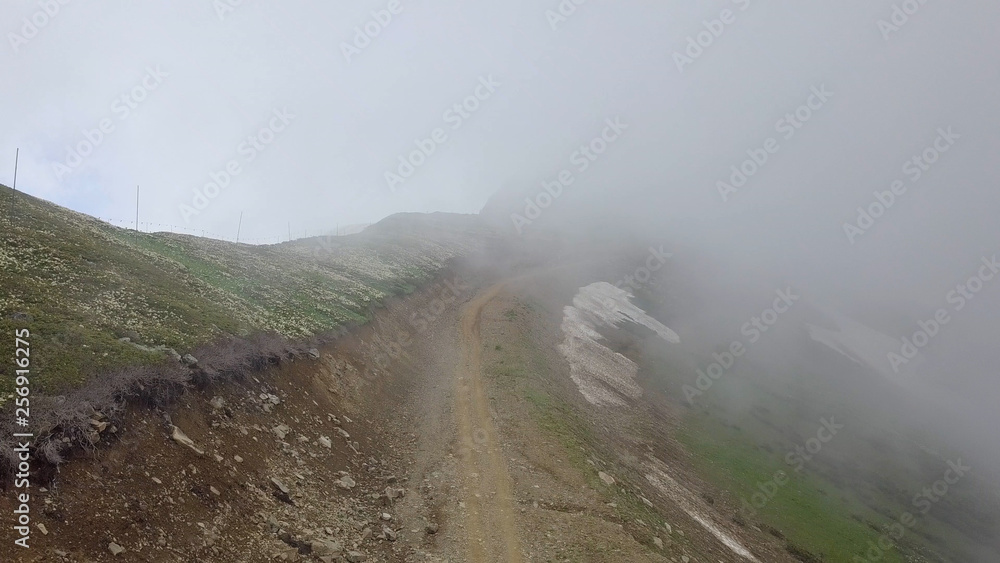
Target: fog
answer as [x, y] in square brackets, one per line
[886, 106]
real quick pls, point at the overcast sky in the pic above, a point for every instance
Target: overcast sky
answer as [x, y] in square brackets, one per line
[333, 110]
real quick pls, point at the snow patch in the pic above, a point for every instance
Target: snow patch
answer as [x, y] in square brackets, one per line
[696, 508]
[603, 376]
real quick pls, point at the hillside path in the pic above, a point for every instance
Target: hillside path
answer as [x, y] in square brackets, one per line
[487, 489]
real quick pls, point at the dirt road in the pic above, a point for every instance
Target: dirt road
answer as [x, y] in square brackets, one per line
[488, 493]
[471, 421]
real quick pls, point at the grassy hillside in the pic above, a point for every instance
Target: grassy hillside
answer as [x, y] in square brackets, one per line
[80, 285]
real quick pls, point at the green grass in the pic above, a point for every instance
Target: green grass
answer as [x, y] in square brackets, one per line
[741, 429]
[811, 513]
[79, 284]
[521, 368]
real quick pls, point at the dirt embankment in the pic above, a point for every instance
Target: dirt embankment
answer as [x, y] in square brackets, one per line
[296, 462]
[447, 429]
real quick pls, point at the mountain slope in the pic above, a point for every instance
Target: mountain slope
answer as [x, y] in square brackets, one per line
[80, 285]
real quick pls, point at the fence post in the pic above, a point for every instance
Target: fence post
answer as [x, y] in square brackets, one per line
[13, 195]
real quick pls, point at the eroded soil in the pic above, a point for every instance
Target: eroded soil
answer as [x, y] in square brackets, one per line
[447, 429]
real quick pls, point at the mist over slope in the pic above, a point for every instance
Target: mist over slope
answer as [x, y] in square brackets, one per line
[760, 365]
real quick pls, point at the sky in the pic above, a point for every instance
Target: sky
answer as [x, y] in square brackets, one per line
[301, 118]
[201, 78]
[185, 87]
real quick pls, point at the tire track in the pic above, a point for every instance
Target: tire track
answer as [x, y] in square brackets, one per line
[493, 534]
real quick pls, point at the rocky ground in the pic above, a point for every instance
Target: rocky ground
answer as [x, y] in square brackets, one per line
[444, 430]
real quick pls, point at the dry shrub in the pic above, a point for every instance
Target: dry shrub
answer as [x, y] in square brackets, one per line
[62, 424]
[234, 359]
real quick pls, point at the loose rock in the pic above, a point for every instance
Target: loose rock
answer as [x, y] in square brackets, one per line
[323, 548]
[281, 431]
[181, 438]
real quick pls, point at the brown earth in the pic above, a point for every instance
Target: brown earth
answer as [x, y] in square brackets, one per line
[450, 412]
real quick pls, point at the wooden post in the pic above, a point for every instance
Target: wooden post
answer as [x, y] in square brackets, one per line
[13, 195]
[17, 156]
[137, 211]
